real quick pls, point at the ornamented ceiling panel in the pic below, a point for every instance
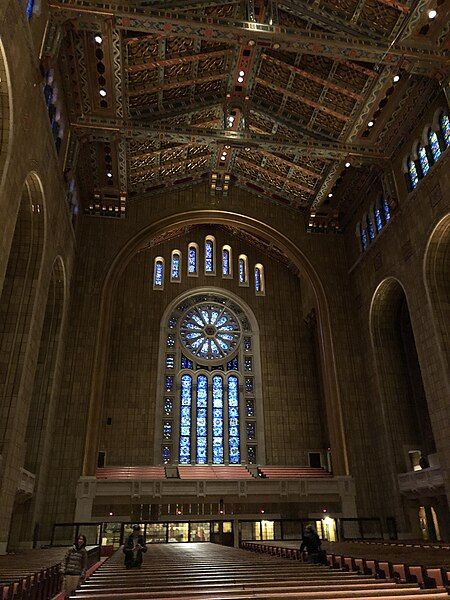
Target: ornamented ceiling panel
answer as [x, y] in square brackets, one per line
[271, 95]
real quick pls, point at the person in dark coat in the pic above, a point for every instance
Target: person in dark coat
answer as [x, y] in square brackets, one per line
[312, 544]
[134, 548]
[74, 565]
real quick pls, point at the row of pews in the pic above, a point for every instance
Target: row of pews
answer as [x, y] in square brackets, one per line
[210, 472]
[31, 574]
[204, 571]
[404, 563]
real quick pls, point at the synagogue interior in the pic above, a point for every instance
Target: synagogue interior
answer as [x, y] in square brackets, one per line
[225, 292]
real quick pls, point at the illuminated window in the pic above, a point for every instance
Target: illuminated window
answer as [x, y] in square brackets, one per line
[192, 266]
[259, 280]
[210, 255]
[412, 173]
[423, 159]
[227, 263]
[378, 217]
[363, 237]
[370, 229]
[243, 270]
[444, 125]
[158, 273]
[175, 266]
[433, 142]
[386, 210]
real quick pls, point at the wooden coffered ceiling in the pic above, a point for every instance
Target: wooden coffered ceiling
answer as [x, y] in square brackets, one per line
[274, 96]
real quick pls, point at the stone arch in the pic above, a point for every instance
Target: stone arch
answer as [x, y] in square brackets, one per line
[6, 121]
[404, 406]
[19, 293]
[305, 268]
[437, 276]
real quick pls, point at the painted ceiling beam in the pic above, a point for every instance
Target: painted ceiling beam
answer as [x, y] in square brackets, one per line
[168, 165]
[95, 127]
[179, 60]
[337, 46]
[253, 166]
[291, 164]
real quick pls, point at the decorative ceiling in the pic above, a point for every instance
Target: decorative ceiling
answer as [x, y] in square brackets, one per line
[291, 99]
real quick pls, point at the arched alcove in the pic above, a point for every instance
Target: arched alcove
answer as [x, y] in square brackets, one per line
[18, 297]
[5, 115]
[265, 232]
[437, 278]
[404, 405]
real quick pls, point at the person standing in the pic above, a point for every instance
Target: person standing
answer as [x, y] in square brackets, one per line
[134, 548]
[312, 544]
[75, 565]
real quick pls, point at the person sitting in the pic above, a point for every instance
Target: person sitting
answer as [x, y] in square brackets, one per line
[134, 548]
[74, 566]
[312, 544]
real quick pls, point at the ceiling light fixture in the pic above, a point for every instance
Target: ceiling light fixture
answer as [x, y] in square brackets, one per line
[102, 92]
[109, 174]
[240, 79]
[241, 73]
[432, 14]
[347, 164]
[98, 39]
[330, 195]
[370, 124]
[396, 78]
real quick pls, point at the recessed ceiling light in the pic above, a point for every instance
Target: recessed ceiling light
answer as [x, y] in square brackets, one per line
[241, 73]
[396, 78]
[102, 92]
[330, 195]
[240, 79]
[347, 164]
[432, 14]
[98, 38]
[247, 149]
[370, 124]
[109, 174]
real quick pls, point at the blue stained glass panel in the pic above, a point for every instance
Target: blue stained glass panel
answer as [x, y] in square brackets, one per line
[29, 9]
[250, 407]
[233, 364]
[175, 269]
[434, 144]
[248, 363]
[378, 219]
[168, 406]
[233, 433]
[423, 159]
[185, 419]
[257, 279]
[202, 407]
[250, 428]
[225, 261]
[166, 454]
[209, 256]
[370, 229]
[172, 322]
[413, 176]
[158, 276]
[444, 123]
[186, 363]
[170, 361]
[247, 343]
[363, 238]
[217, 401]
[249, 384]
[170, 340]
[167, 430]
[242, 273]
[169, 383]
[192, 260]
[251, 454]
[386, 210]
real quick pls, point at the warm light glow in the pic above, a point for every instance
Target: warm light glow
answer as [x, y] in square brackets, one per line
[98, 39]
[109, 174]
[396, 78]
[102, 92]
[330, 195]
[241, 73]
[370, 124]
[240, 79]
[432, 14]
[328, 521]
[347, 164]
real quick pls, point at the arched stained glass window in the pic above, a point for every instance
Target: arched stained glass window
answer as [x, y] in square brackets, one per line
[210, 255]
[243, 269]
[363, 237]
[444, 124]
[233, 420]
[192, 259]
[185, 419]
[412, 173]
[227, 269]
[217, 422]
[378, 217]
[208, 381]
[434, 144]
[259, 280]
[29, 9]
[175, 266]
[202, 419]
[423, 159]
[386, 209]
[370, 229]
[158, 273]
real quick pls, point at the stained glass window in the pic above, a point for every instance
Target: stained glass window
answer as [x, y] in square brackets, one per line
[158, 273]
[167, 430]
[434, 144]
[209, 255]
[186, 363]
[226, 261]
[249, 384]
[185, 419]
[257, 280]
[210, 331]
[248, 363]
[363, 237]
[217, 425]
[370, 229]
[412, 172]
[202, 419]
[250, 407]
[192, 259]
[175, 267]
[250, 428]
[233, 364]
[444, 124]
[169, 383]
[29, 9]
[386, 209]
[166, 454]
[172, 322]
[170, 361]
[251, 454]
[247, 343]
[233, 420]
[170, 340]
[378, 218]
[423, 159]
[168, 406]
[243, 270]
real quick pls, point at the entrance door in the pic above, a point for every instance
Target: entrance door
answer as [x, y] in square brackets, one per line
[222, 533]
